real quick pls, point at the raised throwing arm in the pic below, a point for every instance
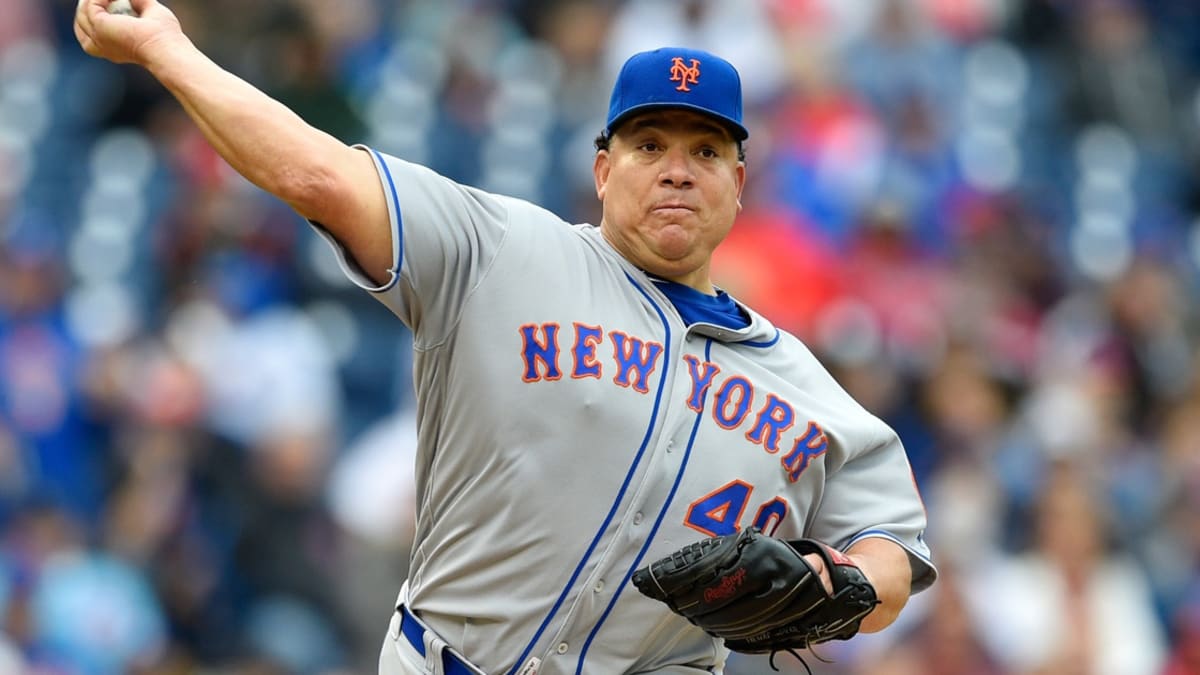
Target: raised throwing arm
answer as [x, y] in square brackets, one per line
[317, 175]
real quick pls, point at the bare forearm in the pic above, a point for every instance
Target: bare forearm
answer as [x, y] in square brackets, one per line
[886, 565]
[260, 138]
[316, 174]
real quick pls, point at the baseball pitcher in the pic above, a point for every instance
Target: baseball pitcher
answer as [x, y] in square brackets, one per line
[621, 468]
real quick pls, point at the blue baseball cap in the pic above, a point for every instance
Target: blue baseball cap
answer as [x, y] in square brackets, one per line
[675, 77]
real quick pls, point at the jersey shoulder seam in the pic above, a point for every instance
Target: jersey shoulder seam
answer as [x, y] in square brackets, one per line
[483, 276]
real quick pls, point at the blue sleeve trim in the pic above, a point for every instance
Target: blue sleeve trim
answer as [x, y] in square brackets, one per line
[620, 493]
[922, 579]
[884, 534]
[398, 235]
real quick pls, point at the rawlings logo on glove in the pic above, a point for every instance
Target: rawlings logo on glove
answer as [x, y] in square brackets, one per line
[758, 593]
[726, 587]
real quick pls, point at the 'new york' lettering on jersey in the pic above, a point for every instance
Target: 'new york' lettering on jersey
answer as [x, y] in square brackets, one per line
[634, 359]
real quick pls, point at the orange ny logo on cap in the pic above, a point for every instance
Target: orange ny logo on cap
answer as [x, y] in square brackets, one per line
[683, 74]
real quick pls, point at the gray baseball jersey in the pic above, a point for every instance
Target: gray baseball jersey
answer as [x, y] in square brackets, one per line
[572, 428]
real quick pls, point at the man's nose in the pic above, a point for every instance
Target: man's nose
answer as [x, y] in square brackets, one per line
[676, 168]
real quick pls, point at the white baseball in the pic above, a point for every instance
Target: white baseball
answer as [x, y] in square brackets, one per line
[121, 7]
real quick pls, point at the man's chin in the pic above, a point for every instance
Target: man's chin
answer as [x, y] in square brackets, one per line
[674, 242]
[670, 268]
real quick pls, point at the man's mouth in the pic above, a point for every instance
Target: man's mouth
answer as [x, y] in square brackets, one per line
[672, 208]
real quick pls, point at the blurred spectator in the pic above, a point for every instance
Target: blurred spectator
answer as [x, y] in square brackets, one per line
[1171, 545]
[967, 411]
[1150, 337]
[901, 59]
[299, 68]
[946, 641]
[1071, 603]
[827, 151]
[285, 379]
[96, 614]
[372, 497]
[41, 370]
[909, 76]
[1118, 74]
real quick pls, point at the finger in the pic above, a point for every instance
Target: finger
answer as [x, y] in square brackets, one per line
[83, 38]
[82, 19]
[94, 8]
[83, 31]
[818, 565]
[92, 13]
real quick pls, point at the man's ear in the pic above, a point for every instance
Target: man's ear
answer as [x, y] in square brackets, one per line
[600, 169]
[741, 182]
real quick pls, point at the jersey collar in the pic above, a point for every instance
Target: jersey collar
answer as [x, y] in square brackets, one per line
[760, 333]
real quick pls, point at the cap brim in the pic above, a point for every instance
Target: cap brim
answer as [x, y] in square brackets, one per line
[739, 132]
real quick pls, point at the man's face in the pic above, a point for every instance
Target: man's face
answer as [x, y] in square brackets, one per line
[670, 183]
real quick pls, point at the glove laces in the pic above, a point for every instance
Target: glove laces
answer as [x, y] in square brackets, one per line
[771, 661]
[793, 652]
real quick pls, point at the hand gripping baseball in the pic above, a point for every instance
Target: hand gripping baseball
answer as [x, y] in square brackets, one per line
[758, 593]
[124, 38]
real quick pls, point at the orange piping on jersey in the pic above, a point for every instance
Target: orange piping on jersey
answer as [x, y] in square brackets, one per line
[775, 518]
[798, 459]
[722, 511]
[544, 351]
[700, 381]
[767, 419]
[743, 403]
[584, 352]
[626, 351]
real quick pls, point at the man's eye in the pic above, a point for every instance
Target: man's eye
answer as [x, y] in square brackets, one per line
[649, 146]
[708, 153]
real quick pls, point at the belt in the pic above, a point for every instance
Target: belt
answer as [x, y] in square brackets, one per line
[414, 631]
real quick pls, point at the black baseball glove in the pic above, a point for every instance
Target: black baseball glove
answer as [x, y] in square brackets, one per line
[758, 593]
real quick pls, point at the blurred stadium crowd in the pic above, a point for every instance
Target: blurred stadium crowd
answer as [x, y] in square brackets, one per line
[984, 215]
